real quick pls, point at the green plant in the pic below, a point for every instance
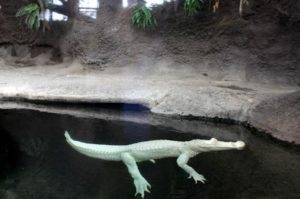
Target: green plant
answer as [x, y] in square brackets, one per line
[32, 14]
[142, 17]
[192, 7]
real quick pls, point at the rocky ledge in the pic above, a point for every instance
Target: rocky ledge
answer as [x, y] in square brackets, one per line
[274, 109]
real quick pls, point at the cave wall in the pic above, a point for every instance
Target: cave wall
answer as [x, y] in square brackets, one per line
[13, 30]
[19, 46]
[262, 46]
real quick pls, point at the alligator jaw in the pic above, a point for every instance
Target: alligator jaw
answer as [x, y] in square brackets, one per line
[240, 145]
[215, 145]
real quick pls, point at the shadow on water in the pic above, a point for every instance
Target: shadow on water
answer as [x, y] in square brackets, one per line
[37, 163]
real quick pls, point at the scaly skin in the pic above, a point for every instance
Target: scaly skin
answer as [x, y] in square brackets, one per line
[151, 150]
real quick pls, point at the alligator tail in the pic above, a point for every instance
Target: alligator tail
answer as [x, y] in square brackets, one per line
[67, 135]
[81, 147]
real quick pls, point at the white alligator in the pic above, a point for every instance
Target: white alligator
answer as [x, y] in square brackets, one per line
[151, 150]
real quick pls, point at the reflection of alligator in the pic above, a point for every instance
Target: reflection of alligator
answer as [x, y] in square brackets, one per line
[150, 150]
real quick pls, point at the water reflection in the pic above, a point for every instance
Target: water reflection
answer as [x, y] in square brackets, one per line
[46, 167]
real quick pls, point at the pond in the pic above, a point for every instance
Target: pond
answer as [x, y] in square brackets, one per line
[37, 163]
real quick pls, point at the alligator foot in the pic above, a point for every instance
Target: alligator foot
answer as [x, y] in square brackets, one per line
[182, 163]
[141, 186]
[197, 177]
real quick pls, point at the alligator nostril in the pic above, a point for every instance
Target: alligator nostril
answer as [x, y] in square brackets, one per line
[240, 144]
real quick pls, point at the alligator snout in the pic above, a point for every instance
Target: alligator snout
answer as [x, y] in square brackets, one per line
[240, 145]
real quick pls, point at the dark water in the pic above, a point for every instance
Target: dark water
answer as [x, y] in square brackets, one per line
[36, 162]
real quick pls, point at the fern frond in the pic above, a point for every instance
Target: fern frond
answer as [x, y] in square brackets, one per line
[32, 14]
[143, 18]
[192, 7]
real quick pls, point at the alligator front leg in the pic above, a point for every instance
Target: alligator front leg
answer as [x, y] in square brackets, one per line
[182, 163]
[141, 184]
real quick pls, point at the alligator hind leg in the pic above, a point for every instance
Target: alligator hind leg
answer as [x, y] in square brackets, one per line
[141, 184]
[182, 163]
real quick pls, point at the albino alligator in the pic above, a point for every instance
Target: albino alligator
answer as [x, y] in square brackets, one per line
[151, 150]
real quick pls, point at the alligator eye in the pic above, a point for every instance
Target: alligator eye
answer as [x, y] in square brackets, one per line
[213, 140]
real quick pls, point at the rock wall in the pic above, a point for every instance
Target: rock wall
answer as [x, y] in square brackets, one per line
[263, 46]
[279, 116]
[14, 31]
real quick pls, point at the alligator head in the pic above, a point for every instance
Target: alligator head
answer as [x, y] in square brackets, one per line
[214, 145]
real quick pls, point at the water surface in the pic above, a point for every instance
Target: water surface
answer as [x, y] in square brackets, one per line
[37, 163]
